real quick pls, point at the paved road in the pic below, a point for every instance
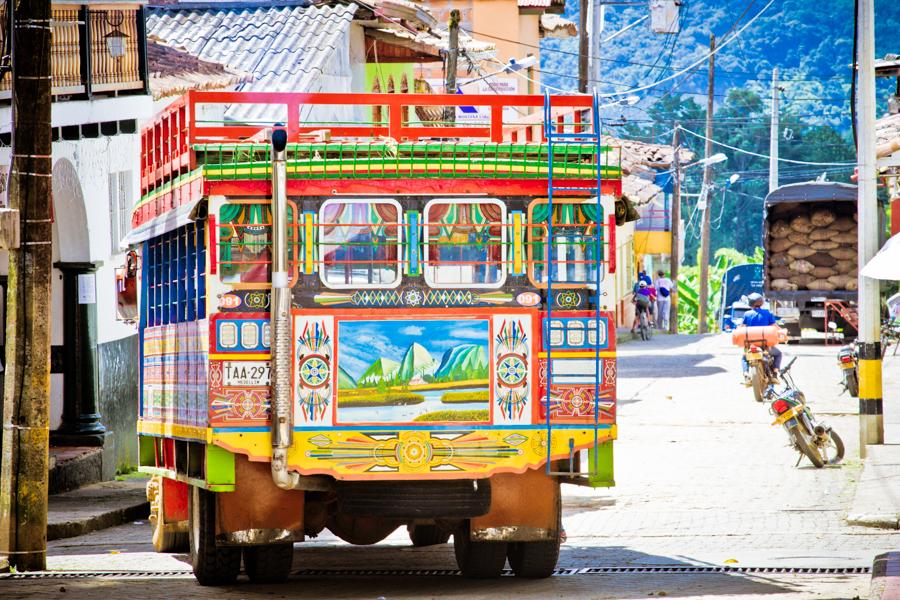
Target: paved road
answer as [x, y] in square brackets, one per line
[702, 479]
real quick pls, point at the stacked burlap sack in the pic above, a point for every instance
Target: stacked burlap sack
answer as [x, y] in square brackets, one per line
[812, 251]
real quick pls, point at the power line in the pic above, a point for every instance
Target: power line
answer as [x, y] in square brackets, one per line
[741, 150]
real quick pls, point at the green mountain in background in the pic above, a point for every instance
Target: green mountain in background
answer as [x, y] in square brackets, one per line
[810, 43]
[417, 362]
[465, 362]
[345, 380]
[382, 370]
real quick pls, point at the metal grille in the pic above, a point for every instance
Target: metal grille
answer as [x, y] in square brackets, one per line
[565, 572]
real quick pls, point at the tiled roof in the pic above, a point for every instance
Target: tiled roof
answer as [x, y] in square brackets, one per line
[174, 72]
[285, 48]
[540, 3]
[887, 135]
[555, 26]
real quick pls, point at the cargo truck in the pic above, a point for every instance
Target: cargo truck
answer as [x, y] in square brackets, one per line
[809, 230]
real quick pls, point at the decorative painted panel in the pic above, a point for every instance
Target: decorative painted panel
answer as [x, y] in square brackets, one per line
[401, 453]
[314, 369]
[513, 366]
[573, 388]
[413, 370]
[175, 362]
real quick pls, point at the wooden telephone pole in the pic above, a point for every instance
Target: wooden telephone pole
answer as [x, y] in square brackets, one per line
[452, 61]
[584, 49]
[26, 394]
[706, 194]
[675, 251]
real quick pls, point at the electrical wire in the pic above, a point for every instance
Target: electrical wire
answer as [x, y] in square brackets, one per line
[741, 150]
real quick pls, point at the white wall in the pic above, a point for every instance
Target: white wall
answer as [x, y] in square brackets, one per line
[93, 160]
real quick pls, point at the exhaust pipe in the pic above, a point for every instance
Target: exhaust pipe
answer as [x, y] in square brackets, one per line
[280, 311]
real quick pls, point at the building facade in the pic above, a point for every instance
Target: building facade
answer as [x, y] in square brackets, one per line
[100, 98]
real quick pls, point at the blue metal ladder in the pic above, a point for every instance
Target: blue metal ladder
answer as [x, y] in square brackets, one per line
[555, 137]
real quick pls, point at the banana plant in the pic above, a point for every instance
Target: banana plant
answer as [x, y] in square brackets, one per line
[689, 288]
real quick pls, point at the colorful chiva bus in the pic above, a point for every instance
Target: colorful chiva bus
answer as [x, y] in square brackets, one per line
[375, 325]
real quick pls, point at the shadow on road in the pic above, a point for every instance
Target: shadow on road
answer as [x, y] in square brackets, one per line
[665, 365]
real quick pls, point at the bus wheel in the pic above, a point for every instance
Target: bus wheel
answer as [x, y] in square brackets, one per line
[478, 560]
[213, 564]
[166, 536]
[535, 560]
[268, 564]
[427, 535]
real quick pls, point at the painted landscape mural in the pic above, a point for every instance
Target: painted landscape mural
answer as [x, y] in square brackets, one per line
[413, 371]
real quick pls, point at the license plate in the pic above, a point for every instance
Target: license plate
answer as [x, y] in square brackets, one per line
[790, 423]
[817, 313]
[246, 373]
[787, 311]
[848, 366]
[754, 356]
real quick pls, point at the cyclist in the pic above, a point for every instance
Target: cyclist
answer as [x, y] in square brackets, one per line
[642, 300]
[758, 316]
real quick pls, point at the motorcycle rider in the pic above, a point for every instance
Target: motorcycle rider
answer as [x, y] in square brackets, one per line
[758, 316]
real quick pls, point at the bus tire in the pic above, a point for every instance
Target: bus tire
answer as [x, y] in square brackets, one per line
[478, 560]
[164, 538]
[270, 563]
[427, 535]
[534, 560]
[213, 564]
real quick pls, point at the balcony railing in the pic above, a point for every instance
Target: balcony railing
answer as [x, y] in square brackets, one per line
[84, 57]
[653, 219]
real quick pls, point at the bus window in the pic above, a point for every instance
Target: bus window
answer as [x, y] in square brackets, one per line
[359, 243]
[245, 241]
[465, 243]
[571, 252]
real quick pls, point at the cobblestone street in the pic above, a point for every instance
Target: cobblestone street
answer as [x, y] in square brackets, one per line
[702, 479]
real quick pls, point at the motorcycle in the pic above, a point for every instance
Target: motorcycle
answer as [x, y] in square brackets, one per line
[757, 343]
[762, 369]
[811, 438]
[848, 356]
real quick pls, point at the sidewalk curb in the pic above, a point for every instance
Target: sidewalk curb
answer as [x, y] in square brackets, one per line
[875, 520]
[96, 506]
[112, 518]
[885, 577]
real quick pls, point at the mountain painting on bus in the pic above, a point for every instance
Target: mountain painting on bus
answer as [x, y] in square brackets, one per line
[401, 371]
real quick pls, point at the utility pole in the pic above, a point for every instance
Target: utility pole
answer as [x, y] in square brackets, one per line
[583, 46]
[773, 135]
[26, 398]
[871, 411]
[705, 193]
[675, 252]
[598, 23]
[452, 56]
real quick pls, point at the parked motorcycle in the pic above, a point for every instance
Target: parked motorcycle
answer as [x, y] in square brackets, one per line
[847, 362]
[811, 438]
[848, 357]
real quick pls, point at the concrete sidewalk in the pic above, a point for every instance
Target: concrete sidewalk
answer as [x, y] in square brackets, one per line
[877, 499]
[96, 506]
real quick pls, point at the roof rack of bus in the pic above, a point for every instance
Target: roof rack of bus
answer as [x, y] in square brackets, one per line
[238, 117]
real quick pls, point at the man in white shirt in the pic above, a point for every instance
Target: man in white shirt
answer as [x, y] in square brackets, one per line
[663, 300]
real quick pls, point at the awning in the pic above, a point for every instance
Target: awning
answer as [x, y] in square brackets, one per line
[157, 226]
[885, 264]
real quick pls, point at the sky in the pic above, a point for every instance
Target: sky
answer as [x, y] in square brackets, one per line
[360, 343]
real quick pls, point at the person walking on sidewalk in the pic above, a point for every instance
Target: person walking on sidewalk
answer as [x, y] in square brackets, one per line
[663, 300]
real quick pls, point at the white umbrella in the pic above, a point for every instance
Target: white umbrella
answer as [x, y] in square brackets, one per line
[885, 264]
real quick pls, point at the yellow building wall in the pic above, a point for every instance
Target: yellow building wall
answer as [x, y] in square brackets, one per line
[652, 242]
